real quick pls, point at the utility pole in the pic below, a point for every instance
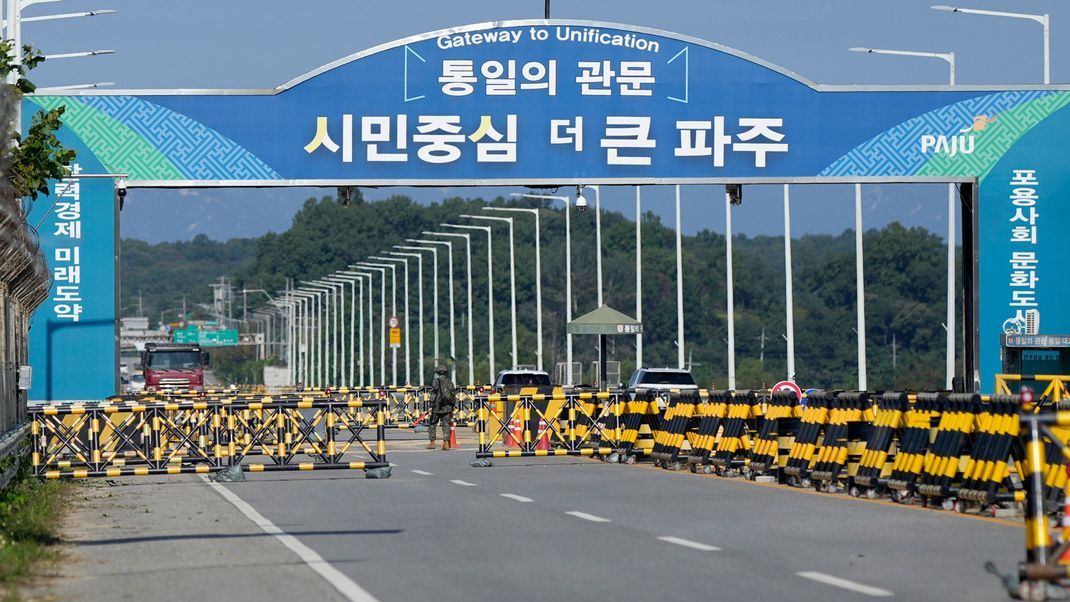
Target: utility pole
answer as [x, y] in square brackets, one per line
[761, 355]
[140, 308]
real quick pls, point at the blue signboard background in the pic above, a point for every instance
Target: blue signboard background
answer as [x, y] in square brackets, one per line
[623, 104]
[73, 334]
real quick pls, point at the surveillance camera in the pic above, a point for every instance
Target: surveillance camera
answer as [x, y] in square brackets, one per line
[581, 203]
[120, 187]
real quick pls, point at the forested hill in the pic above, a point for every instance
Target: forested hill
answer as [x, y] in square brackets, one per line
[905, 288]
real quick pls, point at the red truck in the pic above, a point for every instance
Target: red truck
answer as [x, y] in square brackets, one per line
[173, 366]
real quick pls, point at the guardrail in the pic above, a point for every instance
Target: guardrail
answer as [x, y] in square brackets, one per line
[289, 432]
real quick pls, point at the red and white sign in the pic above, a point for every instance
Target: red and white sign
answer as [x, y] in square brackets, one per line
[394, 322]
[787, 385]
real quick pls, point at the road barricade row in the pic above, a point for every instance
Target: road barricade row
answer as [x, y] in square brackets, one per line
[958, 451]
[268, 433]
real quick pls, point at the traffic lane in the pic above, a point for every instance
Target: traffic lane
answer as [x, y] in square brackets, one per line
[442, 539]
[914, 552]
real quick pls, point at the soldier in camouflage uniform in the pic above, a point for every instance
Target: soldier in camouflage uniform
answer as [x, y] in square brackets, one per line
[443, 399]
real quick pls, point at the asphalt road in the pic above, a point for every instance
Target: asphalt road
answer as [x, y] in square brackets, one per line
[577, 529]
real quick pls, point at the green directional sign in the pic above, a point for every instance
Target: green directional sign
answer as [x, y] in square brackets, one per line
[218, 338]
[206, 338]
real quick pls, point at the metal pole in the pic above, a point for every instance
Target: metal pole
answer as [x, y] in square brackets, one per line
[1047, 48]
[490, 293]
[679, 287]
[512, 276]
[538, 272]
[471, 356]
[638, 276]
[420, 304]
[860, 329]
[950, 320]
[598, 240]
[568, 290]
[789, 292]
[731, 294]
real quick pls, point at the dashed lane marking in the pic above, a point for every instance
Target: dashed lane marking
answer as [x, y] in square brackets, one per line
[463, 483]
[423, 473]
[868, 590]
[590, 517]
[346, 586]
[516, 497]
[687, 543]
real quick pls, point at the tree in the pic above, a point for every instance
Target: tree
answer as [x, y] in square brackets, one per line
[38, 155]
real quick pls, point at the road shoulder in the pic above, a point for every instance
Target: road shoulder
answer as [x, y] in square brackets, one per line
[176, 539]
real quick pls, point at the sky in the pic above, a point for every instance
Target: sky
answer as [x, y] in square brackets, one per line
[263, 43]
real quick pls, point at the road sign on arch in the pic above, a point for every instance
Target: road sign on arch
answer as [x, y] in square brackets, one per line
[578, 102]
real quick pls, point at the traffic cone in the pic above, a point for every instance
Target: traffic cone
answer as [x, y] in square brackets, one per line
[512, 438]
[544, 441]
[453, 435]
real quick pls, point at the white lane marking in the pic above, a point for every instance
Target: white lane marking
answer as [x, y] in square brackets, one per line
[463, 483]
[516, 497]
[868, 590]
[687, 543]
[590, 517]
[423, 472]
[336, 578]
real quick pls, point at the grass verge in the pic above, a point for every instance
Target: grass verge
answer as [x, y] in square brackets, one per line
[30, 513]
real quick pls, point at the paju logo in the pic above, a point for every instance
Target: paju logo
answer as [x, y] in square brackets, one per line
[959, 143]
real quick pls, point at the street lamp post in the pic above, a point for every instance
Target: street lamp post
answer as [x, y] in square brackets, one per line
[324, 316]
[419, 302]
[354, 304]
[598, 239]
[949, 325]
[568, 275]
[679, 286]
[393, 312]
[382, 325]
[949, 57]
[490, 290]
[309, 325]
[338, 336]
[1044, 20]
[434, 284]
[468, 257]
[405, 308]
[512, 273]
[449, 291]
[371, 327]
[538, 275]
[638, 276]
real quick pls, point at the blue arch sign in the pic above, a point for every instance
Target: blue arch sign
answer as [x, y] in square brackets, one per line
[563, 102]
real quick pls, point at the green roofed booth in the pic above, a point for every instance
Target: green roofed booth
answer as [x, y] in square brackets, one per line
[604, 321]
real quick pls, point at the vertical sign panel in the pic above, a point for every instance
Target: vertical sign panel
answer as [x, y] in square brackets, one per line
[1023, 225]
[73, 335]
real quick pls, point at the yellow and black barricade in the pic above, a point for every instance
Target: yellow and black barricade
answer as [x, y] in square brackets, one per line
[914, 438]
[288, 432]
[778, 423]
[573, 423]
[677, 422]
[986, 478]
[849, 412]
[944, 458]
[814, 417]
[875, 460]
[639, 416]
[734, 443]
[711, 411]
